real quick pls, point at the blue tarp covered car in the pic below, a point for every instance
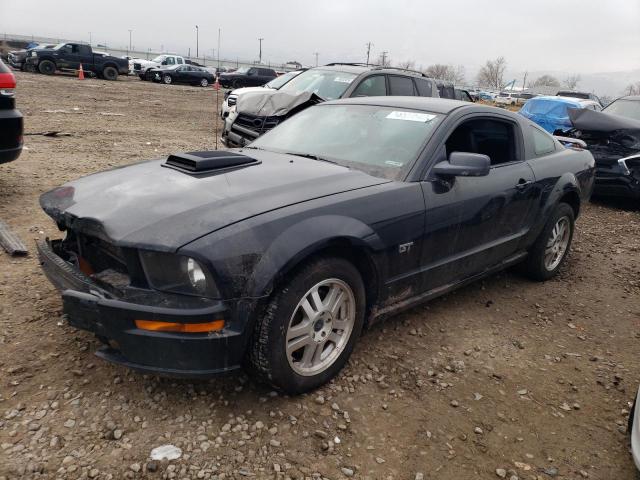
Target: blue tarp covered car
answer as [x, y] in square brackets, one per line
[552, 113]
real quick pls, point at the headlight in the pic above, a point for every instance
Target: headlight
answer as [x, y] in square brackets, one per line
[178, 274]
[34, 54]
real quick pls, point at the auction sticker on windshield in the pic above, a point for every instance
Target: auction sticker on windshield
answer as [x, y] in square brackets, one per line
[411, 116]
[343, 79]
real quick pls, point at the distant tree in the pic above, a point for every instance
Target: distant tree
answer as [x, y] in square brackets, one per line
[492, 73]
[546, 81]
[408, 64]
[572, 81]
[446, 72]
[632, 89]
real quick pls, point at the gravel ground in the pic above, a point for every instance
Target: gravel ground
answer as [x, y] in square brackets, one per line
[503, 379]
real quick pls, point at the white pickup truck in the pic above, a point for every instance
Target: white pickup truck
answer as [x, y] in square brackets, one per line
[139, 66]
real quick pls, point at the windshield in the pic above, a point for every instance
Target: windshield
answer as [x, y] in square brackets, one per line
[159, 59]
[625, 108]
[58, 46]
[242, 70]
[327, 84]
[278, 82]
[381, 141]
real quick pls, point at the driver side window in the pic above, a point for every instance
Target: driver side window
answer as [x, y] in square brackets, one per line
[487, 136]
[170, 61]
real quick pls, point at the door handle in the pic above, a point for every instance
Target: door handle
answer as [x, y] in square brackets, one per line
[522, 184]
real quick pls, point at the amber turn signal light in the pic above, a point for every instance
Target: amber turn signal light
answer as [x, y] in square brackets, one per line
[155, 326]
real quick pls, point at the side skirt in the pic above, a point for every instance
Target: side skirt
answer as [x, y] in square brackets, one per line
[380, 314]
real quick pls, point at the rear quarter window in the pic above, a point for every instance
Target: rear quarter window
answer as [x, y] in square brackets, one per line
[401, 86]
[543, 143]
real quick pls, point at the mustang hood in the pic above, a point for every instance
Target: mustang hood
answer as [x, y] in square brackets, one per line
[275, 103]
[609, 137]
[147, 205]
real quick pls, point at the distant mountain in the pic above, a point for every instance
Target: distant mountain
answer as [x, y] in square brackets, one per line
[610, 84]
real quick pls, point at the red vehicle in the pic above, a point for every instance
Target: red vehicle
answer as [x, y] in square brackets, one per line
[11, 125]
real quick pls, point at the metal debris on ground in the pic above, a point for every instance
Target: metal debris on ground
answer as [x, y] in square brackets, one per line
[10, 241]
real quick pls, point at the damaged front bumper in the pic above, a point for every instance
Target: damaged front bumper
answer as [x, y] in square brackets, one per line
[619, 179]
[90, 307]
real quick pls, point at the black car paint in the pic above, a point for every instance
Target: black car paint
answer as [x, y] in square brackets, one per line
[254, 77]
[189, 74]
[412, 239]
[65, 60]
[11, 124]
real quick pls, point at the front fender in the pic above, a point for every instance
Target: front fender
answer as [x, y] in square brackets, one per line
[299, 241]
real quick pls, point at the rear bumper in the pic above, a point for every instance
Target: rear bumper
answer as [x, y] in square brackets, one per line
[11, 130]
[192, 355]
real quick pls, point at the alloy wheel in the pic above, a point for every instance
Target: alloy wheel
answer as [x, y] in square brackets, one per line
[320, 327]
[557, 244]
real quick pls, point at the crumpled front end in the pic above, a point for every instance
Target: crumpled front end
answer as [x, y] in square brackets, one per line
[614, 142]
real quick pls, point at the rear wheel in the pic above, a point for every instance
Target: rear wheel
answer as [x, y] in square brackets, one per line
[167, 79]
[310, 327]
[47, 67]
[552, 247]
[110, 73]
[204, 82]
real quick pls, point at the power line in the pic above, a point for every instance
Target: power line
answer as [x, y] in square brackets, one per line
[260, 57]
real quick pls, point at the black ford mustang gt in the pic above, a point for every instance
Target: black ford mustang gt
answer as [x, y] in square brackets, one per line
[276, 255]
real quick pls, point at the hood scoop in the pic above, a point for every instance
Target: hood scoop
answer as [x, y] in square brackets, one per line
[217, 161]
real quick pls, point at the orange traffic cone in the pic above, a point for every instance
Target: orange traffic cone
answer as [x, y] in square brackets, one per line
[80, 73]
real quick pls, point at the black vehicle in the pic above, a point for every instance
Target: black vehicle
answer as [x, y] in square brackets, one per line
[69, 56]
[613, 137]
[247, 77]
[188, 74]
[17, 58]
[276, 255]
[259, 112]
[11, 126]
[582, 95]
[463, 95]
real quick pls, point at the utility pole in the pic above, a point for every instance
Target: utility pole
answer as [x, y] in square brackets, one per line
[219, 49]
[89, 38]
[129, 41]
[369, 44]
[384, 58]
[197, 39]
[316, 54]
[260, 57]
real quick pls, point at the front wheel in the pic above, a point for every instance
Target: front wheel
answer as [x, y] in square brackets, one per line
[310, 327]
[47, 67]
[204, 82]
[552, 247]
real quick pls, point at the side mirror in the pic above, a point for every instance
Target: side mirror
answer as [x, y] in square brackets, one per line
[463, 164]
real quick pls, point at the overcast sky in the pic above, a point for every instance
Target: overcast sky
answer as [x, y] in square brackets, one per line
[583, 36]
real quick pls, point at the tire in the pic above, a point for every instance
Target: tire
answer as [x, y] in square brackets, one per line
[110, 73]
[167, 79]
[543, 263]
[142, 76]
[236, 84]
[204, 83]
[47, 67]
[286, 323]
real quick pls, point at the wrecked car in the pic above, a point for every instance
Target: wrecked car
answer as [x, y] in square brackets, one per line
[552, 113]
[614, 141]
[276, 255]
[257, 113]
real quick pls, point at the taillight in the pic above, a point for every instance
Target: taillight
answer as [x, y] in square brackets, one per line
[7, 83]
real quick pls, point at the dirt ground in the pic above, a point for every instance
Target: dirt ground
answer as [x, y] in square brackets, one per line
[505, 378]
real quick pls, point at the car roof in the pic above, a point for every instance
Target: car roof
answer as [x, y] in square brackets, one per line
[428, 104]
[343, 67]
